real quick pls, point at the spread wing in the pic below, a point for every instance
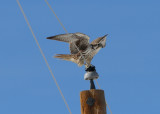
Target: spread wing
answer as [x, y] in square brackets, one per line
[76, 40]
[81, 35]
[81, 44]
[64, 38]
[70, 37]
[100, 40]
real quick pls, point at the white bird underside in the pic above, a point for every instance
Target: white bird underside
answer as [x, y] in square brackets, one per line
[80, 41]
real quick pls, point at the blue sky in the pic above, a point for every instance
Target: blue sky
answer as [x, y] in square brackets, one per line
[129, 65]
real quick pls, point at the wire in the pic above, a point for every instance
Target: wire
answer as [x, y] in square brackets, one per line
[65, 30]
[43, 55]
[75, 45]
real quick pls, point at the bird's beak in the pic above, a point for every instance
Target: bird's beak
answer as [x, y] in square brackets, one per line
[103, 43]
[105, 35]
[49, 38]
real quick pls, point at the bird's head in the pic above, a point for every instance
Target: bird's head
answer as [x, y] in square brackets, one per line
[103, 41]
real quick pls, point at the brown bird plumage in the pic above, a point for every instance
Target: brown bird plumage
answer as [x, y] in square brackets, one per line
[81, 50]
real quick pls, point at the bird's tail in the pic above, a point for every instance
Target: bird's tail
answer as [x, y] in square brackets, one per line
[67, 57]
[64, 57]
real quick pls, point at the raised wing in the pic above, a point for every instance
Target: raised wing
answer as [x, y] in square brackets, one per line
[76, 40]
[64, 38]
[70, 37]
[81, 44]
[81, 35]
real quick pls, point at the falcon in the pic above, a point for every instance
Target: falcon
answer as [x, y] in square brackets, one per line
[82, 52]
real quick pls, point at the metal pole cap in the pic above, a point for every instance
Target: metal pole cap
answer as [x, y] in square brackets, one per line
[91, 75]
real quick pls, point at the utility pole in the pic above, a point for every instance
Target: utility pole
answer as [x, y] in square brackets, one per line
[93, 100]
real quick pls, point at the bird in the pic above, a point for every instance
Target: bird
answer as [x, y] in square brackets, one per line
[81, 51]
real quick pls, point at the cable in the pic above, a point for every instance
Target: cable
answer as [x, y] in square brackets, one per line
[65, 30]
[43, 55]
[75, 45]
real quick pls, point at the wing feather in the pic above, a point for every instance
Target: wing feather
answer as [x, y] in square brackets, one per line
[64, 38]
[81, 35]
[70, 37]
[81, 44]
[76, 40]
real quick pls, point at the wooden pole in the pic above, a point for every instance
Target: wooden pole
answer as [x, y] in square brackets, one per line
[92, 102]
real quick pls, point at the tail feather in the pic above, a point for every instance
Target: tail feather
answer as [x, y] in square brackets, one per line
[67, 57]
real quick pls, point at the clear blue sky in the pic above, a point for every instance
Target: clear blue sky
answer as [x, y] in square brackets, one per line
[129, 66]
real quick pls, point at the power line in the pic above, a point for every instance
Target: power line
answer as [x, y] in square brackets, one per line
[65, 30]
[43, 55]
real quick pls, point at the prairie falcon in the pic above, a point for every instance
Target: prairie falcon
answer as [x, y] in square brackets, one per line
[82, 52]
